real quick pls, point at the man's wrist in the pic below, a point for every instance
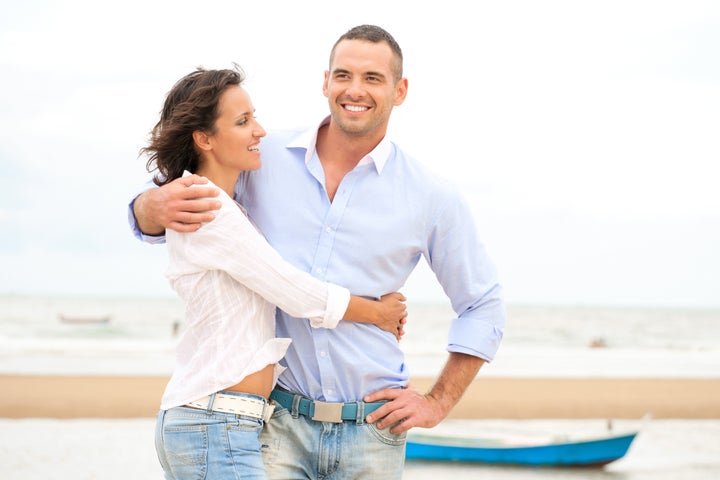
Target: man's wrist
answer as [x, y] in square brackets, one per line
[145, 227]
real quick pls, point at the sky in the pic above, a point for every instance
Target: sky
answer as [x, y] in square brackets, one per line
[585, 134]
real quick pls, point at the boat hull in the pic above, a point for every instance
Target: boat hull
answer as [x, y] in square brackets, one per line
[84, 320]
[595, 452]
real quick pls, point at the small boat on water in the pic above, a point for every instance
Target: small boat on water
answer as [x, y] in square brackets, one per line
[85, 320]
[589, 452]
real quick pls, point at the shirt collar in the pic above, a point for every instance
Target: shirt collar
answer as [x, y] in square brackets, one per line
[308, 140]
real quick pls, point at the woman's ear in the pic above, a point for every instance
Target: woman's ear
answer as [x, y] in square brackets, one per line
[202, 140]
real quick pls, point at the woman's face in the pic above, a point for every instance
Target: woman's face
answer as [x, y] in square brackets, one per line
[236, 141]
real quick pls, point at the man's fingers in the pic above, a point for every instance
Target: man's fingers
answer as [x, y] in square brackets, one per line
[198, 217]
[385, 394]
[184, 227]
[199, 192]
[190, 222]
[192, 180]
[197, 207]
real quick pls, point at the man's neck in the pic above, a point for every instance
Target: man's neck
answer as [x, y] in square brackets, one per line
[339, 153]
[338, 147]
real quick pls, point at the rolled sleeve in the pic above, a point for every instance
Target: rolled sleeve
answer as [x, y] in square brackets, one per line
[337, 303]
[469, 277]
[476, 337]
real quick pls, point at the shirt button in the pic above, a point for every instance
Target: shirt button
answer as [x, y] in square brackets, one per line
[318, 270]
[322, 354]
[328, 229]
[330, 391]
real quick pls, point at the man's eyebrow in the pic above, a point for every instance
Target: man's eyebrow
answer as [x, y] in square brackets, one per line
[369, 73]
[375, 74]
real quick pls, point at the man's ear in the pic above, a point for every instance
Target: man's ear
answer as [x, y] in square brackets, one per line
[401, 89]
[325, 82]
[202, 140]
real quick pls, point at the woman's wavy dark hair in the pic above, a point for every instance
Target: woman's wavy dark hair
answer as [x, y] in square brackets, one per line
[192, 104]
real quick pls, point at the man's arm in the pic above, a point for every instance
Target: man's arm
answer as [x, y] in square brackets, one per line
[468, 276]
[408, 408]
[175, 206]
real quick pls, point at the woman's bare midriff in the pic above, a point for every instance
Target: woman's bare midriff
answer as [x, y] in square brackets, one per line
[258, 383]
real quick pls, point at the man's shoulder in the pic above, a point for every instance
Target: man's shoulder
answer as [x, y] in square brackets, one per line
[420, 172]
[283, 137]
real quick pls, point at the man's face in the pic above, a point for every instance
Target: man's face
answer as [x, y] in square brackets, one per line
[361, 88]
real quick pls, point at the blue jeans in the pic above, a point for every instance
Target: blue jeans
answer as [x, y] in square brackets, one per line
[301, 448]
[192, 444]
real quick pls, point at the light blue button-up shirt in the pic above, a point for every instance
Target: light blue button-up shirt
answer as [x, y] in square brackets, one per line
[387, 213]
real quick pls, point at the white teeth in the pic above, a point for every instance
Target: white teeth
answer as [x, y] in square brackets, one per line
[254, 149]
[354, 108]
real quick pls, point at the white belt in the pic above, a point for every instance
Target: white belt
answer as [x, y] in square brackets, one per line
[250, 407]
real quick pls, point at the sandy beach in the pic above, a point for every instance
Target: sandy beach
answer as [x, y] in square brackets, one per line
[85, 396]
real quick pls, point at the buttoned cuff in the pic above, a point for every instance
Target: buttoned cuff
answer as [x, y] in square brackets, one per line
[476, 338]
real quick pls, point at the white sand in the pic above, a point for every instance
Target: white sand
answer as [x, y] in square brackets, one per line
[123, 449]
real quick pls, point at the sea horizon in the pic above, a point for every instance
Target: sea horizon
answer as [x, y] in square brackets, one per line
[540, 340]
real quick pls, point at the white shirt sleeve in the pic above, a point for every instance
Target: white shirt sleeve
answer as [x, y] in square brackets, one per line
[231, 243]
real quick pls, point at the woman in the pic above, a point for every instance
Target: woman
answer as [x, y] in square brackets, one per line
[230, 279]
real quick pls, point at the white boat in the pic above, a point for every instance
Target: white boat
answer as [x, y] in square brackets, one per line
[85, 320]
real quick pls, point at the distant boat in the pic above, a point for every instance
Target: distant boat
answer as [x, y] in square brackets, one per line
[84, 320]
[589, 452]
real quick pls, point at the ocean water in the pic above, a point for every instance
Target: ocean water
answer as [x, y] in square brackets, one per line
[546, 341]
[140, 335]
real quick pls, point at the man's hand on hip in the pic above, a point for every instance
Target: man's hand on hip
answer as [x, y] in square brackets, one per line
[406, 408]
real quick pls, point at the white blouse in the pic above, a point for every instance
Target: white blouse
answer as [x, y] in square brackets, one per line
[230, 279]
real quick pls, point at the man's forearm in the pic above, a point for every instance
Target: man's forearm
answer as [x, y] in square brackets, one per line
[175, 206]
[459, 371]
[146, 224]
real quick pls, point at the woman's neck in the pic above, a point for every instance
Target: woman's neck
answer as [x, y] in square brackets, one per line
[222, 178]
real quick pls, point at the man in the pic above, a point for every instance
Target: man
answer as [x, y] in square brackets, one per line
[348, 205]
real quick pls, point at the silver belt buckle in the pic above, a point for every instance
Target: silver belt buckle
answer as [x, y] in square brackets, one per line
[327, 412]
